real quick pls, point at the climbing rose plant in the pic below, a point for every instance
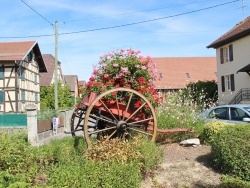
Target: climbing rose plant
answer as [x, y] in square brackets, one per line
[127, 69]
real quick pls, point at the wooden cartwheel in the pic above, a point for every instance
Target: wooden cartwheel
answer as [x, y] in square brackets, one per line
[117, 113]
[113, 114]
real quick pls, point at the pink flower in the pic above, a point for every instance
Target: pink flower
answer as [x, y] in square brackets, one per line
[120, 75]
[124, 69]
[115, 65]
[143, 68]
[106, 75]
[95, 71]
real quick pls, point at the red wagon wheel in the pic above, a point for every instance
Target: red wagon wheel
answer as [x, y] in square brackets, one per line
[120, 113]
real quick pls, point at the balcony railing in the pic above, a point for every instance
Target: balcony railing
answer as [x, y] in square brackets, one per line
[242, 95]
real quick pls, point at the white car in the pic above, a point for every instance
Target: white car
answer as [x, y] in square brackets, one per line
[232, 113]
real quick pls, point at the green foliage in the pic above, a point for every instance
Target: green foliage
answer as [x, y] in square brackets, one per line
[65, 100]
[231, 182]
[47, 114]
[62, 163]
[91, 174]
[230, 147]
[203, 93]
[175, 114]
[211, 129]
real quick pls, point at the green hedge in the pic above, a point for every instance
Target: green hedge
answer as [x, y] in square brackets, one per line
[231, 148]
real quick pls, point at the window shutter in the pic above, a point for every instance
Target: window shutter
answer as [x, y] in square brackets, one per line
[223, 83]
[231, 57]
[221, 56]
[232, 82]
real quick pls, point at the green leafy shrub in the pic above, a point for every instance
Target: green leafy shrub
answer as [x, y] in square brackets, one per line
[62, 163]
[177, 112]
[231, 182]
[211, 129]
[230, 148]
[91, 174]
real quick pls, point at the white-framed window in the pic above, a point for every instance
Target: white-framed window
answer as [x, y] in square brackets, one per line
[226, 54]
[22, 73]
[35, 78]
[36, 97]
[227, 83]
[22, 96]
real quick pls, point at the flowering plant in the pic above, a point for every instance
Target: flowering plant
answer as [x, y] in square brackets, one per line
[125, 68]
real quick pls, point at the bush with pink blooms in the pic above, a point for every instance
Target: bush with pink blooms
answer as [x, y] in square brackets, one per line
[127, 69]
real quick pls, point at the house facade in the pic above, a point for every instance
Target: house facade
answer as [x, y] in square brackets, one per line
[20, 66]
[48, 78]
[72, 82]
[233, 63]
[176, 72]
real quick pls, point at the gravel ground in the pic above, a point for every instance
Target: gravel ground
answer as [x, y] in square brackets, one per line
[184, 167]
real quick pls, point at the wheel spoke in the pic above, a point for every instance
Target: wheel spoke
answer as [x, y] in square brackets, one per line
[104, 105]
[135, 112]
[129, 134]
[101, 130]
[101, 118]
[140, 121]
[129, 101]
[118, 108]
[111, 135]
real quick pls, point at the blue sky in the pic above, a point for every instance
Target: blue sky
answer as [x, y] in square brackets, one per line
[90, 28]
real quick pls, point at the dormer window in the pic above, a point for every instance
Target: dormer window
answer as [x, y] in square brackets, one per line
[187, 75]
[161, 75]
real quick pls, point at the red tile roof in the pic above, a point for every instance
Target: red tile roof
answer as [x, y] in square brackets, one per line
[241, 30]
[17, 51]
[46, 78]
[179, 71]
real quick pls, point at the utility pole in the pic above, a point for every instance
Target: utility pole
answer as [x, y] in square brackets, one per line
[56, 66]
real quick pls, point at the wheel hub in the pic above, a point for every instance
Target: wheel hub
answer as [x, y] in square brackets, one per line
[121, 126]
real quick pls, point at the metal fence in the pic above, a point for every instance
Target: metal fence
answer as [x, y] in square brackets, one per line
[13, 119]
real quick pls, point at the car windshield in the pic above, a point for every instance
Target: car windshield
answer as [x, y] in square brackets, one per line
[247, 108]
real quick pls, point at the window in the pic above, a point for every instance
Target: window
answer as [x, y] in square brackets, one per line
[35, 78]
[1, 97]
[1, 72]
[226, 54]
[227, 83]
[22, 73]
[219, 113]
[161, 75]
[31, 56]
[36, 98]
[23, 96]
[237, 114]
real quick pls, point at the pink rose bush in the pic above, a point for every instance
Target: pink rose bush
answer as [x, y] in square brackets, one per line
[125, 68]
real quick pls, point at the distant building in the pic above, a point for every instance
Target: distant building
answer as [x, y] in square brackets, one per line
[72, 81]
[176, 72]
[47, 78]
[20, 66]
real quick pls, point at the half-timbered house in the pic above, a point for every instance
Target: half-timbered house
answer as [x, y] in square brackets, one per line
[20, 65]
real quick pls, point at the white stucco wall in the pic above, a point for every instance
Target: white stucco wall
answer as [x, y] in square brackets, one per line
[241, 58]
